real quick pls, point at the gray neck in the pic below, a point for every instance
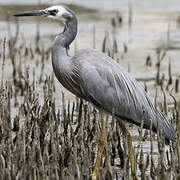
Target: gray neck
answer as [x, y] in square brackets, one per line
[69, 33]
[60, 58]
[64, 39]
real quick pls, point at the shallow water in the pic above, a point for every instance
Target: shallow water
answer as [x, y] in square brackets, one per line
[150, 23]
[160, 5]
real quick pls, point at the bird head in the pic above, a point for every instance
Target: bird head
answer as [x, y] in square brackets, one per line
[58, 12]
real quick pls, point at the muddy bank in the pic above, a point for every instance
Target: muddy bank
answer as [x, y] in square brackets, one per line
[6, 11]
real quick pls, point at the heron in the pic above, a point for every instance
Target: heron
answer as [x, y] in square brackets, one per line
[95, 77]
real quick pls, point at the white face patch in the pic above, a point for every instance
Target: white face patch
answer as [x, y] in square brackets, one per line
[61, 11]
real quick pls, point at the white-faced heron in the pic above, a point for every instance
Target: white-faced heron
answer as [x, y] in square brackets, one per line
[97, 78]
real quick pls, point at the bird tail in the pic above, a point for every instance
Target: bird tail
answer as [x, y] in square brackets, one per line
[166, 126]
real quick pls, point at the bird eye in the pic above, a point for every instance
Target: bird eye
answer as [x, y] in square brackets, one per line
[53, 12]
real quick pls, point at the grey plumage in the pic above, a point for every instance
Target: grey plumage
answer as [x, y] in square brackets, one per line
[106, 84]
[95, 77]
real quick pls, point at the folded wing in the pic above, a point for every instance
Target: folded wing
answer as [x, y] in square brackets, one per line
[110, 87]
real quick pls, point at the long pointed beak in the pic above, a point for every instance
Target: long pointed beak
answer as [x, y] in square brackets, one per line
[34, 13]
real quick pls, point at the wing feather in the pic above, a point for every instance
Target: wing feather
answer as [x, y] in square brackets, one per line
[109, 86]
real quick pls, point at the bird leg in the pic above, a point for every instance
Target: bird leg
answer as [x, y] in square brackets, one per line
[130, 148]
[102, 143]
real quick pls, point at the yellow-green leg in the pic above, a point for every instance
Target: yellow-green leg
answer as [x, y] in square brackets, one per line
[102, 143]
[130, 148]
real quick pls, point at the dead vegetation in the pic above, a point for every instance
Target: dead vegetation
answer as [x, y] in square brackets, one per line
[40, 140]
